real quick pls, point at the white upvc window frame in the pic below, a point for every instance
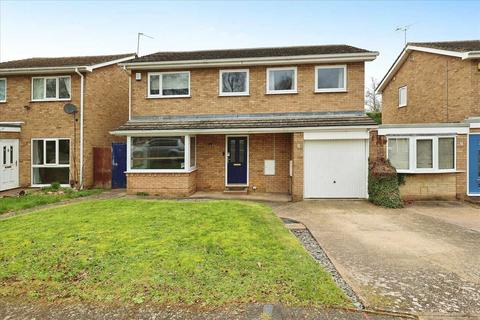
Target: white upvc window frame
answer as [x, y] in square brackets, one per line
[186, 169]
[400, 104]
[292, 91]
[233, 94]
[412, 150]
[4, 100]
[331, 90]
[50, 165]
[57, 94]
[160, 79]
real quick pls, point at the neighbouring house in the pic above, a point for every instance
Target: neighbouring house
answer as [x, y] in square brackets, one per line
[431, 119]
[280, 120]
[53, 111]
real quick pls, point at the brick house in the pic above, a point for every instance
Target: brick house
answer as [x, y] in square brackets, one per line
[285, 120]
[40, 143]
[431, 110]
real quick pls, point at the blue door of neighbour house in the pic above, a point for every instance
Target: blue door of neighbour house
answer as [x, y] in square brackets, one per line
[474, 164]
[119, 165]
[237, 160]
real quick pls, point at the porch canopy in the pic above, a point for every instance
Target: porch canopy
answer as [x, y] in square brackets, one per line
[244, 123]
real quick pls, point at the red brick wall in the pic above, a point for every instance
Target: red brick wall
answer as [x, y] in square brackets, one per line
[205, 97]
[162, 184]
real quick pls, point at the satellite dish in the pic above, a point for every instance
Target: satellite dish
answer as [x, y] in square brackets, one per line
[70, 108]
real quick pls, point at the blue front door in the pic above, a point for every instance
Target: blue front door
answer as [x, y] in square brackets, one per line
[237, 160]
[119, 165]
[474, 164]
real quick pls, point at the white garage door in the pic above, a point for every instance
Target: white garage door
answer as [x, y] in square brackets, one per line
[335, 169]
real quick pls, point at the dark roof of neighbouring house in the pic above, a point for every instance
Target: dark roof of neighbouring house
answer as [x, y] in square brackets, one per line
[47, 62]
[458, 46]
[249, 121]
[249, 53]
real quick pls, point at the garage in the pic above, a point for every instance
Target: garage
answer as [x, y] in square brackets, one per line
[336, 168]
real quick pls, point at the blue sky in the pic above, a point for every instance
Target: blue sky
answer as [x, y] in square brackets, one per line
[83, 28]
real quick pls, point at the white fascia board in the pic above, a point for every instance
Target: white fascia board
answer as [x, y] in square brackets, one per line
[474, 125]
[437, 51]
[393, 70]
[422, 130]
[362, 134]
[472, 55]
[43, 70]
[323, 58]
[147, 133]
[108, 63]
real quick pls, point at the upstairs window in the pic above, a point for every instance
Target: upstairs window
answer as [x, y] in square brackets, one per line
[234, 82]
[281, 80]
[3, 90]
[331, 78]
[51, 88]
[402, 96]
[169, 84]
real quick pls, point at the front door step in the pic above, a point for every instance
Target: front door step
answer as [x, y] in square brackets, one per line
[236, 190]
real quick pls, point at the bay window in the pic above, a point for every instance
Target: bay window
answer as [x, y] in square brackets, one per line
[331, 78]
[51, 88]
[169, 84]
[50, 161]
[422, 154]
[157, 154]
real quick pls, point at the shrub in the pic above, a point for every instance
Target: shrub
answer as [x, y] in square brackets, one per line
[376, 116]
[383, 185]
[54, 186]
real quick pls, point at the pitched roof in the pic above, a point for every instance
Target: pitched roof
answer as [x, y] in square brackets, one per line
[464, 49]
[248, 121]
[458, 46]
[62, 61]
[249, 53]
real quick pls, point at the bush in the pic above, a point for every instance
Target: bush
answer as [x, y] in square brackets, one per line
[383, 185]
[376, 116]
[54, 186]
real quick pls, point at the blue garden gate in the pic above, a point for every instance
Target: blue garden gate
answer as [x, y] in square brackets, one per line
[119, 165]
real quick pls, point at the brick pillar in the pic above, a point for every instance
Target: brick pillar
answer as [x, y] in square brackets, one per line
[377, 150]
[461, 175]
[297, 158]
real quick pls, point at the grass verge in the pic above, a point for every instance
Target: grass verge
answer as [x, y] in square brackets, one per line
[42, 197]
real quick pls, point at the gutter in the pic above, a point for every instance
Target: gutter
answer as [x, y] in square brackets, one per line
[44, 70]
[81, 126]
[348, 57]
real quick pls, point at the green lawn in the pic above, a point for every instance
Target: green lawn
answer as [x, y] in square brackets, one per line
[41, 197]
[207, 253]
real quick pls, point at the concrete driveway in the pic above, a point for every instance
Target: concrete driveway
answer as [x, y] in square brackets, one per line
[424, 258]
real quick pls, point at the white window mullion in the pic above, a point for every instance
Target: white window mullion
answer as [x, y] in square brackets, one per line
[187, 152]
[435, 153]
[129, 156]
[57, 149]
[413, 153]
[44, 152]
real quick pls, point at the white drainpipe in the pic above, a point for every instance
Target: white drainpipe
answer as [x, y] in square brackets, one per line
[81, 127]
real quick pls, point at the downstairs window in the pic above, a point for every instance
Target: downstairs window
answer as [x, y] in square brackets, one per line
[422, 154]
[50, 161]
[176, 153]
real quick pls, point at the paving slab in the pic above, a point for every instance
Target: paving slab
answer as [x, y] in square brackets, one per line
[424, 258]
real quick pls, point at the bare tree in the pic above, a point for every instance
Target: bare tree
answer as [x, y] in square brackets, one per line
[372, 99]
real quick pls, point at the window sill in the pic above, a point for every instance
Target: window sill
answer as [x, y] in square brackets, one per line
[161, 170]
[4, 101]
[168, 97]
[51, 100]
[234, 95]
[402, 106]
[330, 91]
[48, 185]
[428, 171]
[280, 92]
